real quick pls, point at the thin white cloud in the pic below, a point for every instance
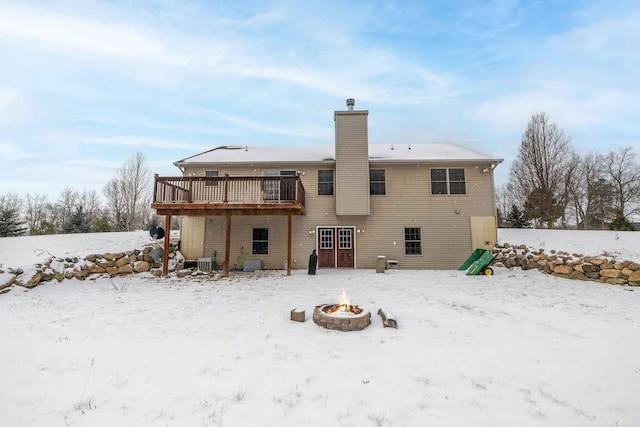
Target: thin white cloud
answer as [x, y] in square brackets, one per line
[488, 19]
[585, 78]
[604, 36]
[370, 74]
[143, 142]
[10, 151]
[12, 106]
[299, 131]
[86, 35]
[91, 164]
[8, 96]
[566, 106]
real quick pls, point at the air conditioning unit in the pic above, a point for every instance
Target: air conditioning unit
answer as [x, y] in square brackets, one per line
[205, 264]
[252, 265]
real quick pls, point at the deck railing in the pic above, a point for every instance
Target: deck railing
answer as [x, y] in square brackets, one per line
[229, 189]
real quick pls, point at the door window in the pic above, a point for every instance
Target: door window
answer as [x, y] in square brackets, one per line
[344, 235]
[326, 238]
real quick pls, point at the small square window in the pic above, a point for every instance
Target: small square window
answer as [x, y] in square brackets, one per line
[456, 174]
[457, 188]
[438, 175]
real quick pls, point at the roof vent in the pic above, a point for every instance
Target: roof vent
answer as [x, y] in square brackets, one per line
[350, 103]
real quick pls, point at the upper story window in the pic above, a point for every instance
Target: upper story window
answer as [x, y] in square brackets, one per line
[448, 181]
[211, 173]
[377, 183]
[325, 182]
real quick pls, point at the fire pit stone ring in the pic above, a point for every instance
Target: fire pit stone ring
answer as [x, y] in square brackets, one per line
[339, 321]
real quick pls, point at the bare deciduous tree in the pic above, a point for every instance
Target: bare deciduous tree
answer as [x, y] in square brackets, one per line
[538, 173]
[129, 194]
[36, 211]
[590, 194]
[571, 176]
[89, 202]
[623, 173]
[65, 206]
[505, 200]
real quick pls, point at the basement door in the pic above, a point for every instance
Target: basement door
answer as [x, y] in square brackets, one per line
[483, 232]
[335, 247]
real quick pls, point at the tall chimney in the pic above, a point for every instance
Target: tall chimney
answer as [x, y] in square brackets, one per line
[350, 103]
[352, 161]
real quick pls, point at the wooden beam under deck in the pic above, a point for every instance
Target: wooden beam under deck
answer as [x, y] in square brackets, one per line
[227, 247]
[206, 209]
[289, 245]
[167, 239]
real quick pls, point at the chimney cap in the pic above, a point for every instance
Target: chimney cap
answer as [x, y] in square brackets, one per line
[350, 103]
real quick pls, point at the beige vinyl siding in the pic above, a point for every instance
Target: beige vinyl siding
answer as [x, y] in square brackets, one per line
[408, 203]
[446, 235]
[242, 237]
[352, 163]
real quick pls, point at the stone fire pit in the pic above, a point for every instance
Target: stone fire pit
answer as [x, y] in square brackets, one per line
[342, 316]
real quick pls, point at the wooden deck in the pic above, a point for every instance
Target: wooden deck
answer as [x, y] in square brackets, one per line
[229, 195]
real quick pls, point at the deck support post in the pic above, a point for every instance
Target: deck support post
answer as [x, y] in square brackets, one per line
[227, 247]
[289, 245]
[167, 238]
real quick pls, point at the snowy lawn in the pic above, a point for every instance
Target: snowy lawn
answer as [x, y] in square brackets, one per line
[515, 349]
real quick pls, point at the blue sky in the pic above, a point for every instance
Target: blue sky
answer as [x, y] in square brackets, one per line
[84, 84]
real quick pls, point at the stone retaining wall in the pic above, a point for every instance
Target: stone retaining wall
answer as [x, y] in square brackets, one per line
[96, 265]
[605, 269]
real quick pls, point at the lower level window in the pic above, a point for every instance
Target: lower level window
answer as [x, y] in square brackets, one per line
[412, 241]
[260, 242]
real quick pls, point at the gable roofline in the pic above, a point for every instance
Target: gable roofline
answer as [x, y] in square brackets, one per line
[325, 153]
[222, 147]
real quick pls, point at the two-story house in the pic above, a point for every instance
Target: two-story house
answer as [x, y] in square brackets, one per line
[427, 206]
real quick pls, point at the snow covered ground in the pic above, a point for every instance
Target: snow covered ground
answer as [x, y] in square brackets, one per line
[514, 349]
[622, 245]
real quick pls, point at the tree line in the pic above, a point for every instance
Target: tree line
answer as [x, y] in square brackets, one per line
[552, 185]
[126, 206]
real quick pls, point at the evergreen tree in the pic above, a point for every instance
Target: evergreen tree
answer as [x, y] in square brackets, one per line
[542, 206]
[517, 219]
[10, 222]
[45, 227]
[620, 222]
[103, 225]
[78, 223]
